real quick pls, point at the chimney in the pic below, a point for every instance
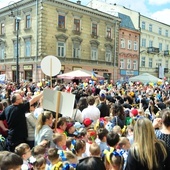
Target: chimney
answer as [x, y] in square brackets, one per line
[79, 2]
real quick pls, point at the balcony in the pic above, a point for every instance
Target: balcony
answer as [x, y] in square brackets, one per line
[166, 53]
[76, 32]
[166, 70]
[152, 50]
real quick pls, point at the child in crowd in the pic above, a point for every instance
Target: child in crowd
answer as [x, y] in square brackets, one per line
[102, 134]
[70, 129]
[53, 157]
[71, 158]
[61, 125]
[114, 161]
[95, 150]
[59, 140]
[10, 161]
[24, 151]
[129, 133]
[79, 148]
[40, 163]
[112, 140]
[123, 147]
[117, 129]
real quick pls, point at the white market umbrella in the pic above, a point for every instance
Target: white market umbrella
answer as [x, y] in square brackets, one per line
[79, 74]
[145, 78]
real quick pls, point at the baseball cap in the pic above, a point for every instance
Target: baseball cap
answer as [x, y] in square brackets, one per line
[69, 125]
[87, 122]
[134, 112]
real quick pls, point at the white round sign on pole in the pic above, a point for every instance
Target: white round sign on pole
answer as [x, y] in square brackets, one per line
[51, 65]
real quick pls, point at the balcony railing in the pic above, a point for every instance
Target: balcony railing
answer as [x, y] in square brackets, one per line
[152, 50]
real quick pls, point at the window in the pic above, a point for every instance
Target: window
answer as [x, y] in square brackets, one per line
[129, 44]
[143, 42]
[122, 43]
[160, 31]
[15, 49]
[150, 62]
[108, 54]
[135, 46]
[150, 27]
[143, 62]
[143, 25]
[166, 64]
[2, 50]
[128, 64]
[28, 47]
[167, 47]
[94, 53]
[108, 32]
[135, 65]
[166, 33]
[77, 25]
[150, 43]
[17, 25]
[122, 64]
[28, 21]
[61, 21]
[94, 29]
[2, 28]
[61, 49]
[160, 46]
[76, 50]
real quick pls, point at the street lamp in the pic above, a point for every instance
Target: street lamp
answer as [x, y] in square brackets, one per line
[17, 20]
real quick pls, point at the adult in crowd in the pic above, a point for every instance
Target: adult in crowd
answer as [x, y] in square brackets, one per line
[91, 111]
[103, 107]
[43, 128]
[77, 115]
[162, 126]
[16, 120]
[147, 152]
[82, 103]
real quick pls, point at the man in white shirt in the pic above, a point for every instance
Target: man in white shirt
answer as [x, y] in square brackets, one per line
[91, 111]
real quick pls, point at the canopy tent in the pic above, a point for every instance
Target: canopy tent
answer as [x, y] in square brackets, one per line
[80, 74]
[145, 78]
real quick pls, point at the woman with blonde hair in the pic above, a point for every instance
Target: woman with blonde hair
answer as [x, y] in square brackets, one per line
[147, 152]
[43, 129]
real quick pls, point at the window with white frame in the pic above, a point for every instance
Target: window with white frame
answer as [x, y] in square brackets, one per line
[150, 62]
[15, 49]
[166, 33]
[143, 25]
[128, 64]
[76, 50]
[134, 65]
[2, 51]
[135, 46]
[160, 46]
[166, 64]
[61, 21]
[76, 24]
[61, 49]
[28, 21]
[143, 42]
[2, 29]
[108, 32]
[150, 43]
[122, 43]
[150, 27]
[143, 62]
[94, 53]
[122, 64]
[108, 54]
[160, 31]
[28, 47]
[94, 28]
[167, 47]
[129, 44]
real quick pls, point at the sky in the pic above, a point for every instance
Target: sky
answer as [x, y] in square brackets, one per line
[156, 9]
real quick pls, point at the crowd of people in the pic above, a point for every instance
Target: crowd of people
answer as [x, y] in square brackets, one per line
[111, 127]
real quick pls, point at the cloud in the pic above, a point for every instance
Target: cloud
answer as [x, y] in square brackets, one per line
[162, 16]
[158, 2]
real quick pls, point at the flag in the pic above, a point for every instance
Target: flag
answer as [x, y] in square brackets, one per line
[93, 76]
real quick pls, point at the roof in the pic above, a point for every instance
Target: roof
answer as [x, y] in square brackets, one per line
[126, 21]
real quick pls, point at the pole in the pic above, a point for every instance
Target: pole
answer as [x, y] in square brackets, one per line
[17, 55]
